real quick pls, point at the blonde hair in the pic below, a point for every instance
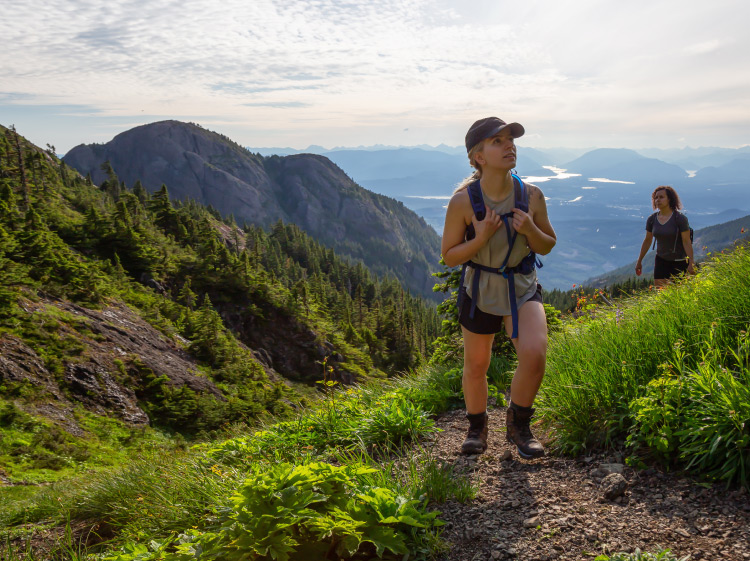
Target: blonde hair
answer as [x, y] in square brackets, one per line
[473, 161]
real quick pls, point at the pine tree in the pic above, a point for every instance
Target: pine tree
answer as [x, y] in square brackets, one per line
[21, 168]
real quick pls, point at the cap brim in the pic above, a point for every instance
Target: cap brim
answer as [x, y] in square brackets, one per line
[516, 129]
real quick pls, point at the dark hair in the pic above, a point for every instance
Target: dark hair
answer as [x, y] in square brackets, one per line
[674, 198]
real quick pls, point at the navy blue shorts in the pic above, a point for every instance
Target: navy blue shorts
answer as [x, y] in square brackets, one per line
[484, 323]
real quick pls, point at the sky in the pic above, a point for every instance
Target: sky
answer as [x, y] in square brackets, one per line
[291, 73]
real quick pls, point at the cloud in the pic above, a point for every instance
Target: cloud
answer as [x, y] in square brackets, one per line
[277, 104]
[383, 65]
[703, 48]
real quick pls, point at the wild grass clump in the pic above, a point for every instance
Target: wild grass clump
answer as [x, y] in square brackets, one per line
[606, 375]
[439, 389]
[348, 420]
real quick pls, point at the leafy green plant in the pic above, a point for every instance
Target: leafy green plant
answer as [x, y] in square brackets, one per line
[700, 416]
[290, 513]
[715, 434]
[656, 418]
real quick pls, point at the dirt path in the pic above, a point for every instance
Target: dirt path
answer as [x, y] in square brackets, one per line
[554, 508]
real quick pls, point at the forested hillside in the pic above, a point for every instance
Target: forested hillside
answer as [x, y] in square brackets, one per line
[118, 303]
[305, 189]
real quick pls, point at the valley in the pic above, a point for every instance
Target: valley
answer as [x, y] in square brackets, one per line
[597, 202]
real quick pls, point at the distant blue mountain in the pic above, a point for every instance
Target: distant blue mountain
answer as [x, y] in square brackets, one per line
[553, 156]
[625, 165]
[731, 172]
[414, 171]
[697, 158]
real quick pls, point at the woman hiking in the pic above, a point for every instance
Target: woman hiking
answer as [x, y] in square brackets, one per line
[498, 252]
[674, 249]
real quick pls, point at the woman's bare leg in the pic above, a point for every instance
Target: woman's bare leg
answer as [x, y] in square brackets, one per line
[531, 349]
[477, 353]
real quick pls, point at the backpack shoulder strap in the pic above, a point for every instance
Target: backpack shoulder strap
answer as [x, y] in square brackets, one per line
[477, 200]
[474, 191]
[521, 193]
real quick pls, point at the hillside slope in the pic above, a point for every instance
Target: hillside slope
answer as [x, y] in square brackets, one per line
[116, 305]
[706, 240]
[305, 189]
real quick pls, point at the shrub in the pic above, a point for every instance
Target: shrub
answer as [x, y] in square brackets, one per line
[700, 416]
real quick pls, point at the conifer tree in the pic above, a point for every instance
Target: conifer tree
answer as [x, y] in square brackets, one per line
[21, 168]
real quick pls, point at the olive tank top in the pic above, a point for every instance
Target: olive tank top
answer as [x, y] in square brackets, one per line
[494, 296]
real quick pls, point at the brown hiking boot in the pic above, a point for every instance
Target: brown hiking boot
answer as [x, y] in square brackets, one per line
[519, 432]
[476, 439]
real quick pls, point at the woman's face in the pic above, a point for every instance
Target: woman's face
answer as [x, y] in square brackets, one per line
[499, 151]
[661, 200]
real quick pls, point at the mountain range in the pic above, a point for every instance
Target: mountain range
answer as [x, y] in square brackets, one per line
[598, 201]
[116, 303]
[305, 189]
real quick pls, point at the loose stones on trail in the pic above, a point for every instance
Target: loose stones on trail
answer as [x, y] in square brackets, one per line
[613, 486]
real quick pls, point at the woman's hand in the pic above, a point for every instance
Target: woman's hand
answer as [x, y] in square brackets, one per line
[638, 268]
[486, 228]
[522, 222]
[691, 267]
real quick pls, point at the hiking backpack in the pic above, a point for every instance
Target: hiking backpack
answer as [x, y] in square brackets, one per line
[527, 264]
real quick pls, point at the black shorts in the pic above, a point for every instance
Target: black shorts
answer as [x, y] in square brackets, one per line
[484, 323]
[664, 269]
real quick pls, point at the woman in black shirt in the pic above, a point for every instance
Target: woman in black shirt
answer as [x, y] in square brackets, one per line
[674, 249]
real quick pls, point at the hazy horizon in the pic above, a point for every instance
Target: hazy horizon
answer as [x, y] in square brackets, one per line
[296, 73]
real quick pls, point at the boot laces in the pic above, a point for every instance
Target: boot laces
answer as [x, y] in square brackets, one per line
[474, 432]
[524, 429]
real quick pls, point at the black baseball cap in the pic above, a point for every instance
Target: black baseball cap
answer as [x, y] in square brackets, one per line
[489, 127]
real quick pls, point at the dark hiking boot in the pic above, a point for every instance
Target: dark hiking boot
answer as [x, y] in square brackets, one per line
[519, 432]
[476, 439]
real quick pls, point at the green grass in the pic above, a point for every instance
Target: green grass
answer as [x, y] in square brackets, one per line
[161, 498]
[599, 368]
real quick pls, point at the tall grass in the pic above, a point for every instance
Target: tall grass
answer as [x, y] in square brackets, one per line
[598, 367]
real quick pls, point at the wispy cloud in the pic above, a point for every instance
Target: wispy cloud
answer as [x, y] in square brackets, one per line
[703, 48]
[277, 104]
[589, 68]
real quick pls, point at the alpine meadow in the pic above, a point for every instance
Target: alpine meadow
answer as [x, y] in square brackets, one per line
[186, 377]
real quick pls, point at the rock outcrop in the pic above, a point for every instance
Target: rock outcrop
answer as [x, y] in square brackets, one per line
[102, 377]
